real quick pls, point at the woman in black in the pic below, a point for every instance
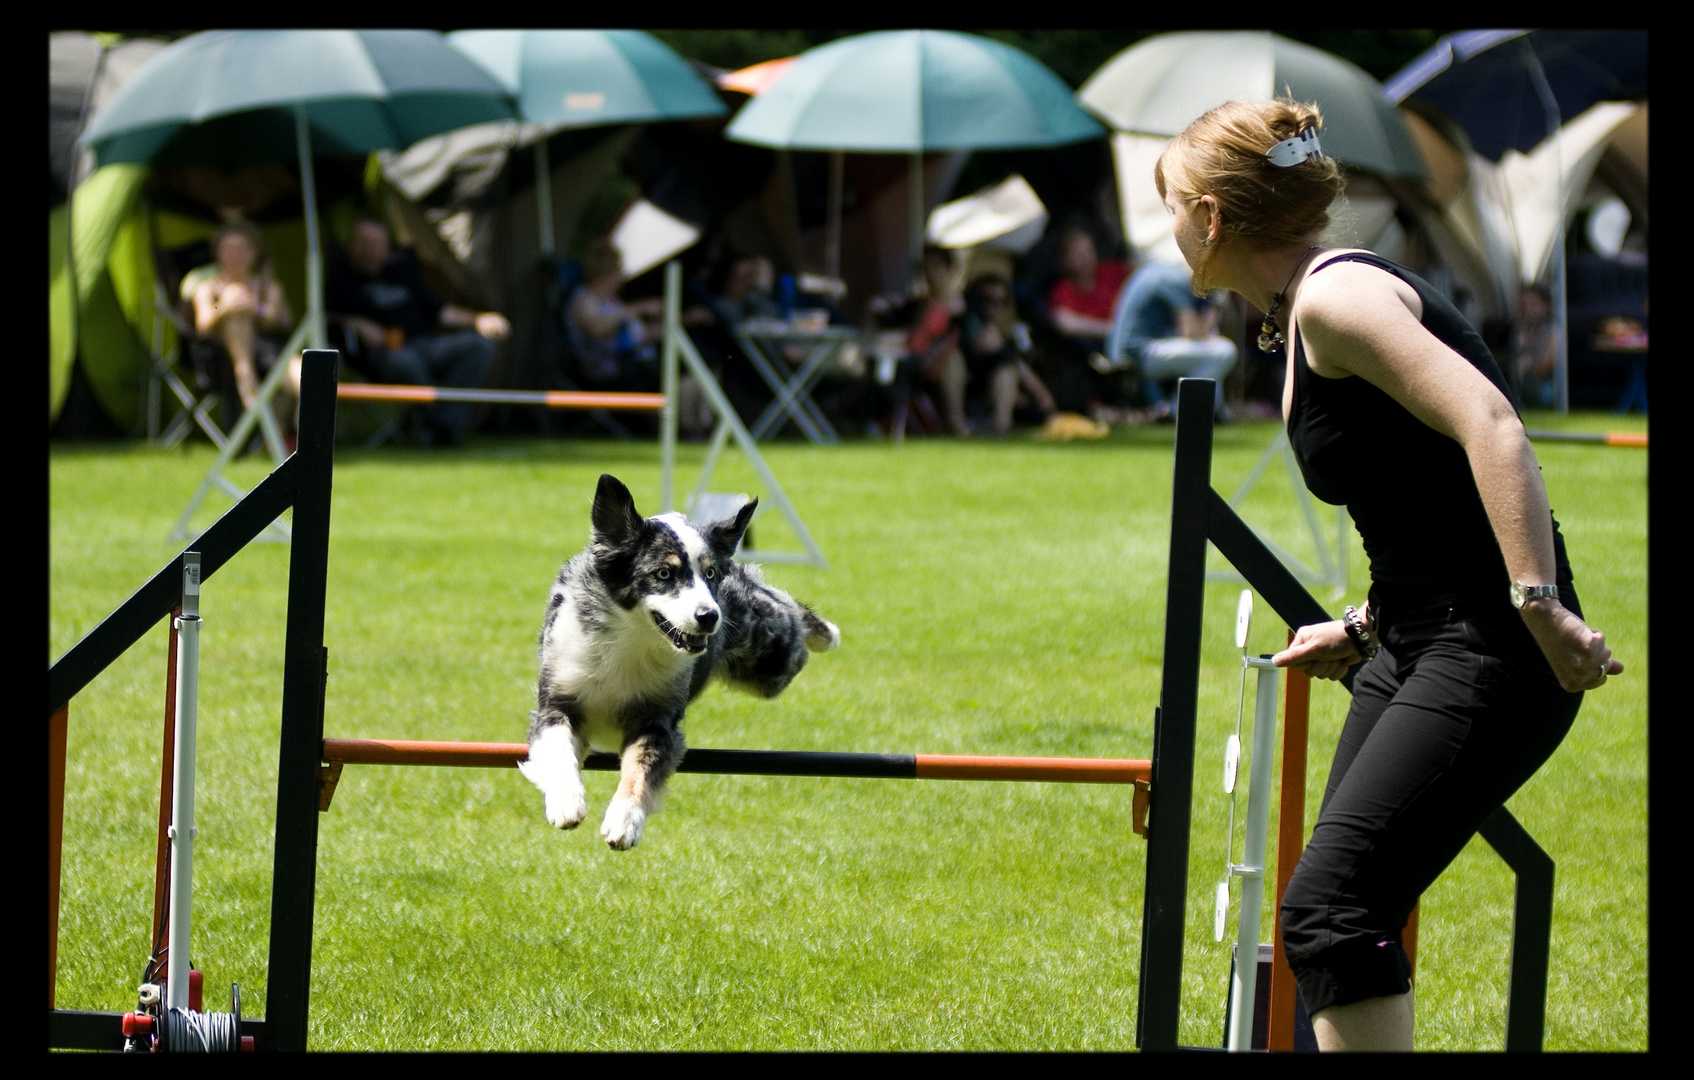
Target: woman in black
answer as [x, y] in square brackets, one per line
[1476, 653]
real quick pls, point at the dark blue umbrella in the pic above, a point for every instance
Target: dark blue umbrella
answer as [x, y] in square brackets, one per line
[1496, 84]
[1514, 89]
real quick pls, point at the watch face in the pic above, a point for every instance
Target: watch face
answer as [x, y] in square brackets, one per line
[1517, 594]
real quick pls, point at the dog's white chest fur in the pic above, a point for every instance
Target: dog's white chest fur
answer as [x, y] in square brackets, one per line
[607, 670]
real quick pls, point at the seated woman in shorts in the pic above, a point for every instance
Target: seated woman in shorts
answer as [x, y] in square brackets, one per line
[241, 309]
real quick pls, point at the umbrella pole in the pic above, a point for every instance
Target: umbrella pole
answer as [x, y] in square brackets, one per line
[915, 199]
[837, 184]
[544, 195]
[1561, 343]
[791, 209]
[314, 257]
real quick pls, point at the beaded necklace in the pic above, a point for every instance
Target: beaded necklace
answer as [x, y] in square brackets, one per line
[1270, 338]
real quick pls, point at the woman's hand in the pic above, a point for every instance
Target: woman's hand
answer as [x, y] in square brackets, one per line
[236, 297]
[1321, 650]
[1577, 653]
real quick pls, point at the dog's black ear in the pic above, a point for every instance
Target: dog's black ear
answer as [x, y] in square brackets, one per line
[726, 534]
[614, 517]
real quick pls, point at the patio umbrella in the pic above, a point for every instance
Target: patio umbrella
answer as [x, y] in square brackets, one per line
[1511, 89]
[1160, 85]
[1514, 90]
[756, 79]
[232, 98]
[911, 91]
[587, 78]
[1156, 88]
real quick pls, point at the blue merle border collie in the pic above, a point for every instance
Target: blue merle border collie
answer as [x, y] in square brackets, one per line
[636, 625]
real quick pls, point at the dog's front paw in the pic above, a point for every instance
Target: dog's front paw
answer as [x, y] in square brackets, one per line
[566, 810]
[623, 823]
[566, 800]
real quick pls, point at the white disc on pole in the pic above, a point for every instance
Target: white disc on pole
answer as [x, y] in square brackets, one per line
[1231, 763]
[1243, 618]
[1220, 910]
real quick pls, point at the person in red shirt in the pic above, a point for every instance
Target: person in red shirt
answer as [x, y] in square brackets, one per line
[1081, 300]
[934, 338]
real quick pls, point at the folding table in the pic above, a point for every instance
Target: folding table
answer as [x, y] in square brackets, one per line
[759, 340]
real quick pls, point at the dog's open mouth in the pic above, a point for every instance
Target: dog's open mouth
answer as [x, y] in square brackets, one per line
[688, 643]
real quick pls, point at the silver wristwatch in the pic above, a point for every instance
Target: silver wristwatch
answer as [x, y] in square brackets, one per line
[1523, 594]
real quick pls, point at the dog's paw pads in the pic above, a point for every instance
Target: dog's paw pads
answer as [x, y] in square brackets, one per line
[623, 824]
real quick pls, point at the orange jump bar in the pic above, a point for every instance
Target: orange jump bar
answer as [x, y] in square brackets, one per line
[1610, 438]
[1055, 770]
[763, 762]
[552, 399]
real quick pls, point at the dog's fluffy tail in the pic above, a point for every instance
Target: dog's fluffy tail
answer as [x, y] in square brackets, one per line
[821, 634]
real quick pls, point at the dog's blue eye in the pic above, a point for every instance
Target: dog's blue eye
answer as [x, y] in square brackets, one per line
[711, 574]
[664, 575]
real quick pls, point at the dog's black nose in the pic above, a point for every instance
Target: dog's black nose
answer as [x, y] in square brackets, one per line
[706, 619]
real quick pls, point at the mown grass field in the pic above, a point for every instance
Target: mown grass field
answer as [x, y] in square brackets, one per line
[994, 597]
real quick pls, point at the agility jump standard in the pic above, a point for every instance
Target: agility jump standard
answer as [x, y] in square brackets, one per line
[308, 764]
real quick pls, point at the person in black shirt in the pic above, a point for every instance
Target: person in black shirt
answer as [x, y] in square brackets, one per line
[407, 335]
[994, 359]
[1475, 651]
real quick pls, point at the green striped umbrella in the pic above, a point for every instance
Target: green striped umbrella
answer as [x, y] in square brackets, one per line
[586, 78]
[911, 91]
[231, 98]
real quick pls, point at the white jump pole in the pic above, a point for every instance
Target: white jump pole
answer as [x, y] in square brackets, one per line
[668, 384]
[1245, 981]
[182, 783]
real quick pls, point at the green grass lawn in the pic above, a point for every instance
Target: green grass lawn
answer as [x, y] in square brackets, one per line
[993, 597]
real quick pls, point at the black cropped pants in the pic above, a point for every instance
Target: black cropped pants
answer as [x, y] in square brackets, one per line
[1456, 711]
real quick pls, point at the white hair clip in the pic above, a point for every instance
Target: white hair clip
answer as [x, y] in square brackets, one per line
[1295, 151]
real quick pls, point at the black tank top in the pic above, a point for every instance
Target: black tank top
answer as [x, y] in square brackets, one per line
[1408, 487]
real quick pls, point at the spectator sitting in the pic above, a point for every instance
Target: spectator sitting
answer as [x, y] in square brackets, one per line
[1080, 301]
[934, 338]
[992, 356]
[613, 341]
[1162, 328]
[736, 290]
[241, 311]
[1533, 349]
[744, 292]
[407, 334]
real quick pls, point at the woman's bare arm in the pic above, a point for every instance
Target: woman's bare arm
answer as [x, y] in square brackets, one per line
[1358, 320]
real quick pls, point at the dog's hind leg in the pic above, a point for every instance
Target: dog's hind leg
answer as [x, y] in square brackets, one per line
[648, 761]
[556, 751]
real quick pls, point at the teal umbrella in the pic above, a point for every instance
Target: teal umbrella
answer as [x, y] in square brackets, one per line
[911, 91]
[231, 98]
[1160, 85]
[586, 78]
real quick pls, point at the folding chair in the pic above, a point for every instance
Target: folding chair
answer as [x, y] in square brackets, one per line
[194, 409]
